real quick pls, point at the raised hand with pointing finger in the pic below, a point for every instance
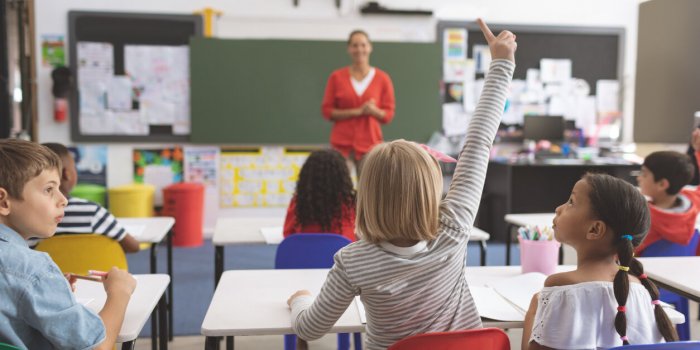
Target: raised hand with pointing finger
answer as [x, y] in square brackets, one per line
[502, 46]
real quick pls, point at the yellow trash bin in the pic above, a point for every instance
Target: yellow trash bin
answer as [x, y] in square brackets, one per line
[133, 201]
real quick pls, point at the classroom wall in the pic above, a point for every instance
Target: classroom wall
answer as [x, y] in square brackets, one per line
[320, 19]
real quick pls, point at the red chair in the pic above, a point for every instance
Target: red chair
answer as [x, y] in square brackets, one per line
[482, 339]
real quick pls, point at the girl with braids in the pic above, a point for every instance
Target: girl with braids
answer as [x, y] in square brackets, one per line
[324, 201]
[607, 301]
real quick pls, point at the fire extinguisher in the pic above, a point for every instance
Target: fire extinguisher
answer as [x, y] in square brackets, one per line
[62, 80]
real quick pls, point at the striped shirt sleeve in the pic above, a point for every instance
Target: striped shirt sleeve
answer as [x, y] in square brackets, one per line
[462, 200]
[311, 319]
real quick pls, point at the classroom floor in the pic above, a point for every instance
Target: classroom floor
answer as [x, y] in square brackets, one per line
[329, 341]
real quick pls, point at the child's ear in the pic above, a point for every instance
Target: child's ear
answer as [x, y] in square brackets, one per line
[597, 230]
[4, 202]
[663, 184]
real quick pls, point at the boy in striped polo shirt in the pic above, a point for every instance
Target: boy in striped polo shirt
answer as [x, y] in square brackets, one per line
[84, 216]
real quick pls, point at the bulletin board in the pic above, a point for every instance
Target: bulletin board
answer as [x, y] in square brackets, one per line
[589, 93]
[131, 76]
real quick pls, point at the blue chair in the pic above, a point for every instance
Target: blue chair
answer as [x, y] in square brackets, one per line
[312, 251]
[666, 248]
[679, 345]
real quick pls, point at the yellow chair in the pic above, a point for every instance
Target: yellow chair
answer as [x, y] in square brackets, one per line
[78, 253]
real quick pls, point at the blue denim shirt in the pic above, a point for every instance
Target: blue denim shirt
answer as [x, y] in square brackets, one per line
[37, 308]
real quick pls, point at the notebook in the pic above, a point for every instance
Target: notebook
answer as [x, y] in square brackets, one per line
[507, 299]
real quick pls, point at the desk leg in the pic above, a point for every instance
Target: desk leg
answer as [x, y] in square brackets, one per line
[154, 314]
[229, 343]
[211, 343]
[129, 345]
[218, 264]
[509, 239]
[170, 286]
[482, 245]
[163, 323]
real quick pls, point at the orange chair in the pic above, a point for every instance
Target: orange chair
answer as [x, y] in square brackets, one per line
[482, 339]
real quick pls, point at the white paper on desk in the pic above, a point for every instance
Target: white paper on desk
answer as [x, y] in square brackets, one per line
[361, 309]
[492, 305]
[520, 289]
[272, 235]
[454, 119]
[135, 231]
[555, 70]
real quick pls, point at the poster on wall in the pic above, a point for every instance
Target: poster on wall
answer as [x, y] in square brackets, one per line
[201, 165]
[158, 167]
[264, 177]
[455, 44]
[91, 164]
[53, 50]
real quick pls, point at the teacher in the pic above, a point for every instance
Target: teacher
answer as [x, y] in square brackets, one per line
[358, 99]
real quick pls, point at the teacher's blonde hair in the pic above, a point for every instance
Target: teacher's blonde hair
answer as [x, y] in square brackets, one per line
[398, 193]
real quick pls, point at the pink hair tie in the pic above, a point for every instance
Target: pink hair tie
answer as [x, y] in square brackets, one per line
[437, 154]
[656, 302]
[624, 338]
[621, 308]
[643, 276]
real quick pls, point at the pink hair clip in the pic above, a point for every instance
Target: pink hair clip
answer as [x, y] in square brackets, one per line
[624, 338]
[438, 155]
[656, 302]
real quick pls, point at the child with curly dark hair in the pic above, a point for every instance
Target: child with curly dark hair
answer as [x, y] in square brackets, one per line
[324, 201]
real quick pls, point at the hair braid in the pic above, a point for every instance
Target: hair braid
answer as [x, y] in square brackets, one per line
[621, 287]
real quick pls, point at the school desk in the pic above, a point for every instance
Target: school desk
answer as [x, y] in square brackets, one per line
[254, 302]
[239, 231]
[153, 230]
[677, 274]
[148, 300]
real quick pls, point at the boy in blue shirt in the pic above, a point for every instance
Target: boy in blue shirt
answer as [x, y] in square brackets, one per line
[37, 308]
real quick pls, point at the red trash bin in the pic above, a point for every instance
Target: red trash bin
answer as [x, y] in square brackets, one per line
[185, 202]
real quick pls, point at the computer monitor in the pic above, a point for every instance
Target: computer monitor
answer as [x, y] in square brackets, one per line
[543, 127]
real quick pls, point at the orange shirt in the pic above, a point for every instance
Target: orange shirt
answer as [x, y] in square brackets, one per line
[346, 227]
[358, 134]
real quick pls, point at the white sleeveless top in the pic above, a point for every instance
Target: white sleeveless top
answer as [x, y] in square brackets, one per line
[582, 316]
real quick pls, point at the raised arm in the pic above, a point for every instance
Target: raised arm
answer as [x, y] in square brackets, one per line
[462, 200]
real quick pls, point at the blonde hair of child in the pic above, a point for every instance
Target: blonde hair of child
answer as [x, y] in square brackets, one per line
[398, 193]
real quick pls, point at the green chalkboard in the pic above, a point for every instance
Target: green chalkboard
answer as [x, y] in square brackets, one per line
[270, 91]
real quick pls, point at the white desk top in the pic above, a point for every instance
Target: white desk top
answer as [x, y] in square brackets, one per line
[677, 272]
[536, 219]
[232, 231]
[254, 302]
[155, 227]
[149, 289]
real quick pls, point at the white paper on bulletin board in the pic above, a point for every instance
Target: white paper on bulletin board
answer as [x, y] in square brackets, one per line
[201, 165]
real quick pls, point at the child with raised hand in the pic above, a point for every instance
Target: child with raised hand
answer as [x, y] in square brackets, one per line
[408, 266]
[37, 308]
[607, 301]
[324, 200]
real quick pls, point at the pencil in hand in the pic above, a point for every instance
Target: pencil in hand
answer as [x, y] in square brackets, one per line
[87, 278]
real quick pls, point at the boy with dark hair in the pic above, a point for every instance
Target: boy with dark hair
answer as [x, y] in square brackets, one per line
[84, 216]
[673, 209]
[37, 308]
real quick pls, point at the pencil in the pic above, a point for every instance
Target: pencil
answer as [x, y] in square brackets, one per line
[88, 278]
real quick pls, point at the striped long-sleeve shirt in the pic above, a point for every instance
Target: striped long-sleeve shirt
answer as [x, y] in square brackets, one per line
[418, 289]
[83, 216]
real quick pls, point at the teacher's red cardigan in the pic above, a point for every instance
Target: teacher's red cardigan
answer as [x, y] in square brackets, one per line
[358, 134]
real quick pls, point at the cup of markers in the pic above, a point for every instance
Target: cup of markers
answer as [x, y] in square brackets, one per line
[539, 251]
